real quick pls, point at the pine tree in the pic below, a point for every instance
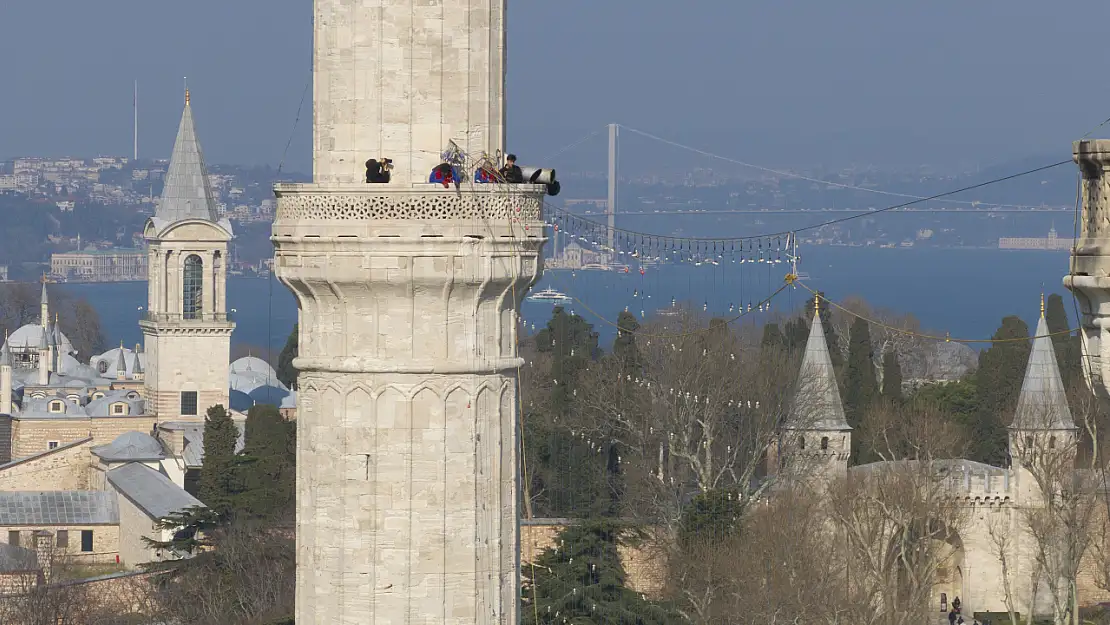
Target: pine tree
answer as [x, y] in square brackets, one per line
[998, 380]
[286, 374]
[267, 466]
[581, 581]
[1067, 346]
[712, 516]
[892, 376]
[218, 485]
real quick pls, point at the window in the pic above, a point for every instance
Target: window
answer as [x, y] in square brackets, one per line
[52, 445]
[824, 442]
[801, 442]
[188, 402]
[98, 395]
[192, 294]
[13, 538]
[61, 539]
[119, 408]
[57, 406]
[86, 541]
[1029, 442]
[102, 366]
[1052, 442]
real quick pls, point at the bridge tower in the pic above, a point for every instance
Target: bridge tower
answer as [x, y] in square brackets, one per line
[407, 442]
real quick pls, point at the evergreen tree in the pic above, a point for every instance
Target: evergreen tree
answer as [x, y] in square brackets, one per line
[286, 374]
[581, 581]
[892, 376]
[710, 516]
[267, 466]
[998, 380]
[218, 480]
[772, 336]
[826, 324]
[567, 478]
[796, 335]
[860, 385]
[624, 346]
[190, 528]
[1067, 346]
[572, 343]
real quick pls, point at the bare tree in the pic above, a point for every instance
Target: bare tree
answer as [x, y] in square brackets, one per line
[899, 524]
[698, 413]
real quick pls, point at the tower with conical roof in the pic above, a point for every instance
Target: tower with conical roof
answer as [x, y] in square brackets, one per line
[185, 326]
[1043, 436]
[817, 440]
[408, 292]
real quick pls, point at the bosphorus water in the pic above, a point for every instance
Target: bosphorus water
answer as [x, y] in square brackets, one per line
[962, 291]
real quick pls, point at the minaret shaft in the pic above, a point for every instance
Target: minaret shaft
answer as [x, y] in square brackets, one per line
[407, 398]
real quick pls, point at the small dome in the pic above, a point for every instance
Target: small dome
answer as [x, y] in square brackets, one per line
[30, 335]
[131, 446]
[255, 365]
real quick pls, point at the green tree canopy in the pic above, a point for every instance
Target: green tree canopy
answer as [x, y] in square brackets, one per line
[772, 336]
[998, 380]
[892, 376]
[267, 466]
[572, 343]
[218, 485]
[286, 374]
[860, 385]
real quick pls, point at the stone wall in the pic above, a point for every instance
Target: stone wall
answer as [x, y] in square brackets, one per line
[63, 469]
[105, 541]
[134, 525]
[32, 436]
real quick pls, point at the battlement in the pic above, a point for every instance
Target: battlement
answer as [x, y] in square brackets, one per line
[987, 486]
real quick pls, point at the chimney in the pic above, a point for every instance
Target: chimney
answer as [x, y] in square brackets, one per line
[44, 553]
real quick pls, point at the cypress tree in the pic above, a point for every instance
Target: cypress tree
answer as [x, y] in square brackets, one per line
[892, 376]
[860, 385]
[624, 346]
[286, 374]
[998, 380]
[796, 335]
[268, 465]
[581, 581]
[1067, 346]
[772, 336]
[218, 479]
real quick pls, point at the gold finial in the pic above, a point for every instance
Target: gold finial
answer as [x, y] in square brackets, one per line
[816, 303]
[186, 97]
[1042, 304]
[121, 343]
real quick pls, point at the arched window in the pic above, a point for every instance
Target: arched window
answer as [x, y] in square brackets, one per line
[1052, 442]
[801, 442]
[193, 288]
[824, 442]
[1029, 442]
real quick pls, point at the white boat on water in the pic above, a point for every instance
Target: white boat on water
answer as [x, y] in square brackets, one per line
[548, 295]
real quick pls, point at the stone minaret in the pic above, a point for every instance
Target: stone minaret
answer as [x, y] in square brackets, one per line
[407, 442]
[185, 326]
[5, 378]
[1089, 275]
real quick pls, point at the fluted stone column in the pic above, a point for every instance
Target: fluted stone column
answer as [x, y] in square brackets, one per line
[1089, 278]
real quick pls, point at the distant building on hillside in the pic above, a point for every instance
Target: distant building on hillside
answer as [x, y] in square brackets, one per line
[1051, 242]
[114, 265]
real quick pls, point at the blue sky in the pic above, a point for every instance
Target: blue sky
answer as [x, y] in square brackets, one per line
[782, 82]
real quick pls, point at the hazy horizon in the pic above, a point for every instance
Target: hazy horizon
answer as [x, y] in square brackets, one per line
[798, 83]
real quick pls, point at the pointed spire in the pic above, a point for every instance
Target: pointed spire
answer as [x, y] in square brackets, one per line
[44, 342]
[1042, 403]
[138, 368]
[187, 193]
[5, 353]
[121, 364]
[817, 404]
[44, 300]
